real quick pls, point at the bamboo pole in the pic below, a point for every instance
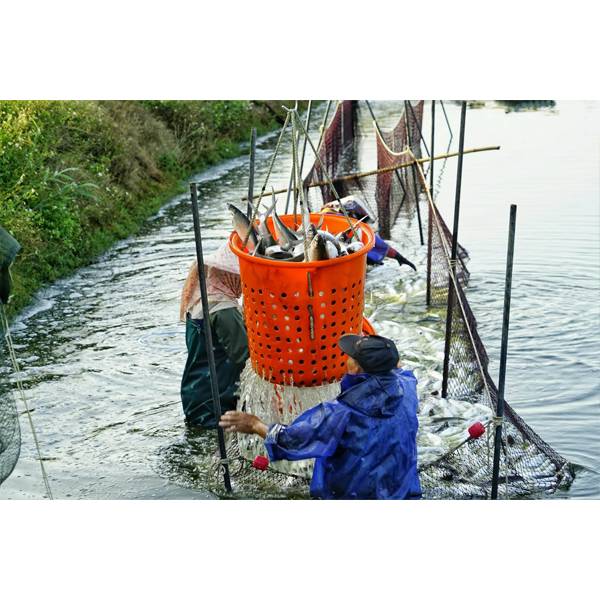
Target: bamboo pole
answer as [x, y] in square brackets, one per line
[429, 211]
[359, 175]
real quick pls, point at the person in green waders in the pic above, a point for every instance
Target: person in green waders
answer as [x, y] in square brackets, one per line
[230, 342]
[9, 247]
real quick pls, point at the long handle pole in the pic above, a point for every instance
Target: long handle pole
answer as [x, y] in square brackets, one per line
[214, 383]
[429, 211]
[450, 308]
[414, 176]
[251, 176]
[306, 126]
[504, 348]
[396, 167]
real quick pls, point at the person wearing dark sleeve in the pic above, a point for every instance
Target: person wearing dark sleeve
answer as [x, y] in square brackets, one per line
[9, 248]
[381, 250]
[230, 343]
[364, 441]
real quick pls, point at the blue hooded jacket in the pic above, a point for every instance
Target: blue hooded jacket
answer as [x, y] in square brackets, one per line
[364, 441]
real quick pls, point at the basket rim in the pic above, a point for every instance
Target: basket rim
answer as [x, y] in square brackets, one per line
[235, 242]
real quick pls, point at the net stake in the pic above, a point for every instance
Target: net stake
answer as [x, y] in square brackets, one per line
[429, 211]
[214, 383]
[450, 307]
[251, 175]
[503, 350]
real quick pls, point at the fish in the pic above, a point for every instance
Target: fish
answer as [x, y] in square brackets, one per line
[242, 226]
[285, 236]
[354, 247]
[317, 250]
[332, 251]
[331, 239]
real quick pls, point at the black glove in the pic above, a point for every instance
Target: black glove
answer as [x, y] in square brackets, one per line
[4, 284]
[404, 261]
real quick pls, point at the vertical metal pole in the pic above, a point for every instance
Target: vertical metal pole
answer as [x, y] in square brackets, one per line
[251, 176]
[214, 383]
[504, 348]
[414, 176]
[430, 210]
[450, 308]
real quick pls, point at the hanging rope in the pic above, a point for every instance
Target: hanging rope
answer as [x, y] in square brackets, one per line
[17, 370]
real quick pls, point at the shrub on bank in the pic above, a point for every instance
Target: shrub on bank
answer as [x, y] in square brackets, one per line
[77, 175]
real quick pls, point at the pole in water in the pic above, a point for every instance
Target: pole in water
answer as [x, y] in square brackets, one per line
[251, 176]
[504, 349]
[452, 274]
[429, 211]
[414, 177]
[214, 383]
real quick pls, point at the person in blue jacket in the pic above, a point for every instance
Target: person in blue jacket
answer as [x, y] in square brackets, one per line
[364, 441]
[381, 250]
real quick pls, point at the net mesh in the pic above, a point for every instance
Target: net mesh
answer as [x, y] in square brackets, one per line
[10, 431]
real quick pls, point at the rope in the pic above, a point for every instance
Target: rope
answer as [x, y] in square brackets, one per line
[15, 365]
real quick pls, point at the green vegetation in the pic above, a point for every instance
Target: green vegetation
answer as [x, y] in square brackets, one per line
[75, 176]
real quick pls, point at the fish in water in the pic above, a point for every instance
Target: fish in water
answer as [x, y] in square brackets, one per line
[242, 226]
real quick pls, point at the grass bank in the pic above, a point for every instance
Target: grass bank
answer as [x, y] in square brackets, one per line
[75, 176]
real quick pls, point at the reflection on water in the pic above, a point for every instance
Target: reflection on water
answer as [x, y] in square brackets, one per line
[102, 351]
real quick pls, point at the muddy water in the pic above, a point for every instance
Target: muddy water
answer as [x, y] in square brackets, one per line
[102, 351]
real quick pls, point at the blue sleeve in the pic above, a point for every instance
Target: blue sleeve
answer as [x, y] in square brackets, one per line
[315, 433]
[408, 383]
[378, 251]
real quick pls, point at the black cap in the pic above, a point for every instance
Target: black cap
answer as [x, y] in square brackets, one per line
[375, 354]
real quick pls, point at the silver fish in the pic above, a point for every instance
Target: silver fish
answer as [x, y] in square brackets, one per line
[317, 250]
[354, 247]
[241, 224]
[285, 236]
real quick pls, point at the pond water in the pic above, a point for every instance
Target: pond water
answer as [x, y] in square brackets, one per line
[102, 351]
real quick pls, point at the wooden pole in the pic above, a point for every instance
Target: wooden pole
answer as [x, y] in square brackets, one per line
[214, 382]
[512, 224]
[396, 167]
[450, 307]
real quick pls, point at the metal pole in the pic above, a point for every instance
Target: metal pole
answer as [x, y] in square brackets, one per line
[504, 349]
[214, 383]
[414, 177]
[461, 146]
[447, 121]
[429, 212]
[251, 176]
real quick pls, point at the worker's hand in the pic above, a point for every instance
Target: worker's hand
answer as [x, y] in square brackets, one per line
[241, 422]
[404, 261]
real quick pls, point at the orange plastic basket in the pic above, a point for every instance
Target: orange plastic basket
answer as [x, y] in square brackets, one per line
[295, 312]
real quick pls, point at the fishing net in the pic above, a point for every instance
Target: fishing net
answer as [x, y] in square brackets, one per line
[528, 465]
[336, 154]
[10, 431]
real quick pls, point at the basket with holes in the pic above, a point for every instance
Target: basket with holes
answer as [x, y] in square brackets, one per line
[295, 312]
